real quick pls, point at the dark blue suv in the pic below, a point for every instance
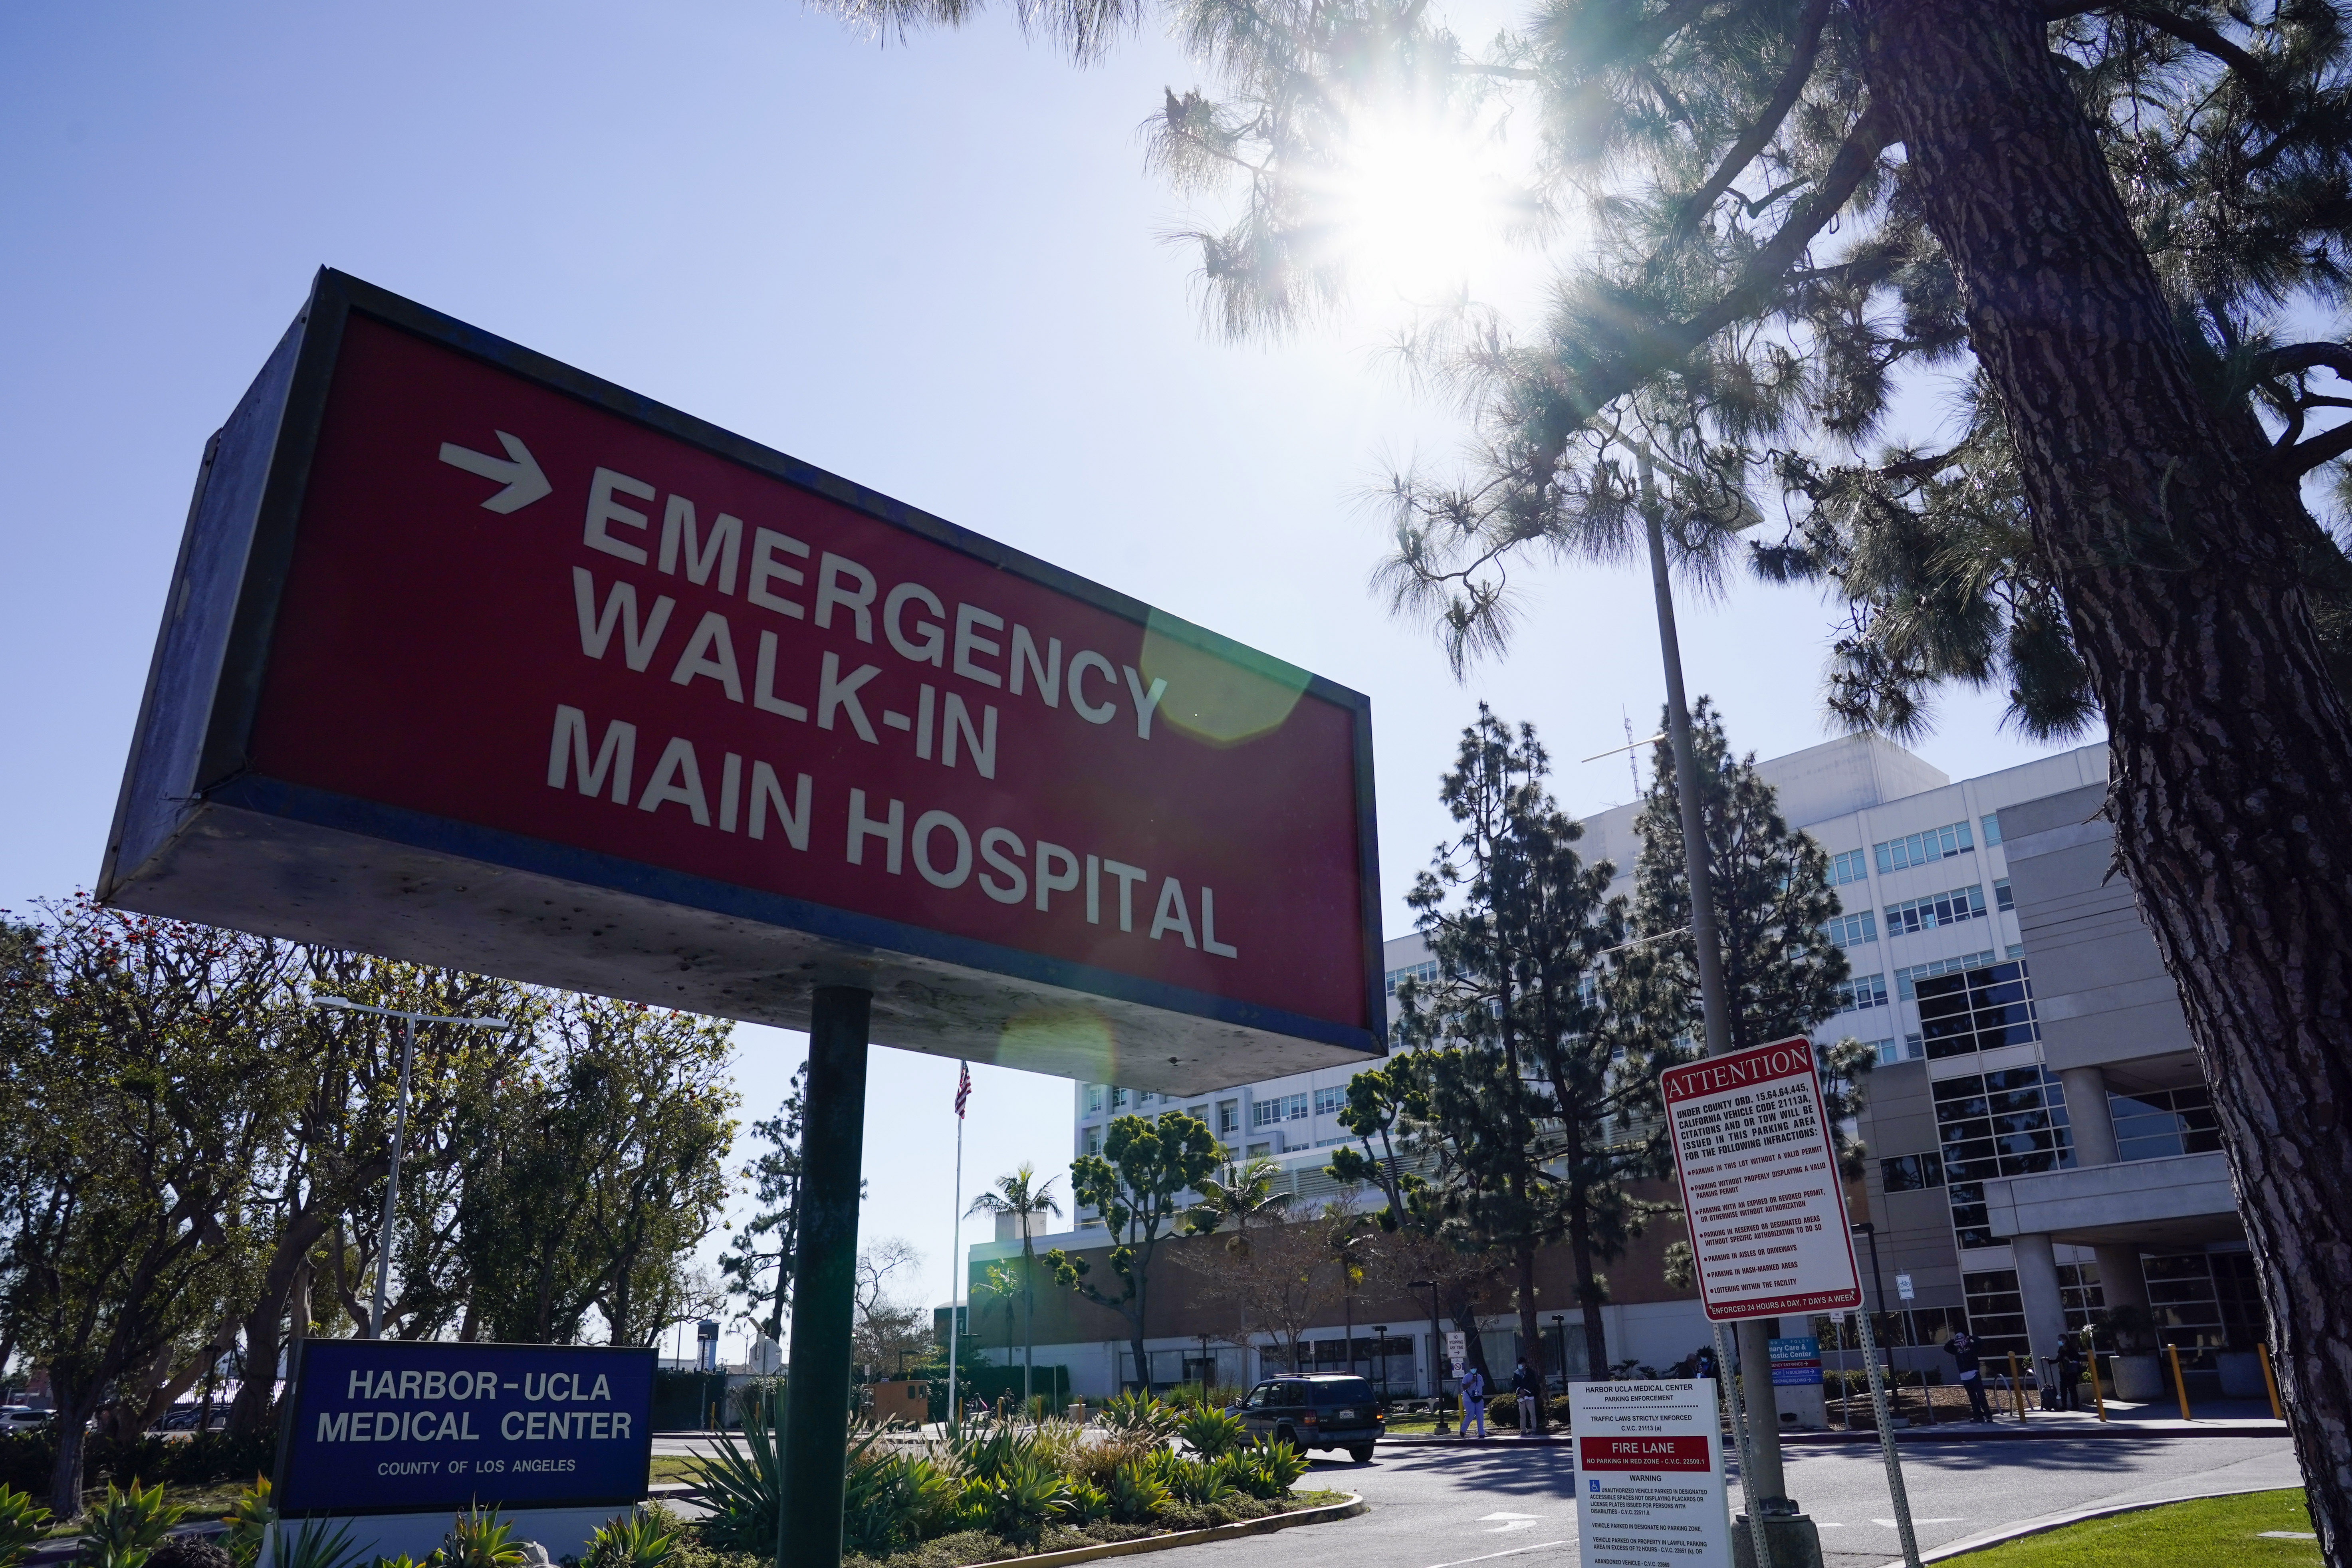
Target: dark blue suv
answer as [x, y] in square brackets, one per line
[1314, 1411]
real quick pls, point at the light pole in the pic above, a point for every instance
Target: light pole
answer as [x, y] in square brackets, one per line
[1380, 1354]
[408, 1022]
[1869, 1231]
[1560, 1333]
[1766, 1487]
[1436, 1355]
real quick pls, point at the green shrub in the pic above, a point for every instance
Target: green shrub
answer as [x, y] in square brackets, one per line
[1197, 1480]
[23, 1524]
[1279, 1464]
[890, 1501]
[1138, 1495]
[1213, 1433]
[1019, 1501]
[742, 1482]
[125, 1527]
[986, 1455]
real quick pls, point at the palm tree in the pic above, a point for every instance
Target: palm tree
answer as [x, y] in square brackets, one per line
[1241, 1190]
[1024, 1197]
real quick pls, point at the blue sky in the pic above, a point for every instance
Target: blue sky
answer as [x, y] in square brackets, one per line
[937, 270]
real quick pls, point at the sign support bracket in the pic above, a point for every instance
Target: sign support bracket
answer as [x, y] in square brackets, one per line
[824, 1281]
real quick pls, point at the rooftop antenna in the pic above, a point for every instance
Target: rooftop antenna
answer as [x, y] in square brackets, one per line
[1633, 758]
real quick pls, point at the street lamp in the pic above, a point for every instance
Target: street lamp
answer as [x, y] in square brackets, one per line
[1380, 1354]
[408, 1022]
[1559, 1359]
[1437, 1356]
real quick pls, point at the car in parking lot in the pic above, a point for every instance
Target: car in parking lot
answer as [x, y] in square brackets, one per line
[1315, 1410]
[22, 1418]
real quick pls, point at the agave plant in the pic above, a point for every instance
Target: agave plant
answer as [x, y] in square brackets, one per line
[985, 1455]
[23, 1523]
[1197, 1480]
[893, 1501]
[315, 1545]
[479, 1538]
[125, 1527]
[247, 1519]
[1138, 1495]
[1083, 1502]
[1022, 1498]
[742, 1482]
[637, 1539]
[1279, 1464]
[1213, 1433]
[1139, 1413]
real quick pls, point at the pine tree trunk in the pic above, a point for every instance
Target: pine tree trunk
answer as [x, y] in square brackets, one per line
[2173, 546]
[1588, 1292]
[1531, 1330]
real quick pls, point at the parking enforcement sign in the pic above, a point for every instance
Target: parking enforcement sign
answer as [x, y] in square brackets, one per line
[1759, 1181]
[1649, 1469]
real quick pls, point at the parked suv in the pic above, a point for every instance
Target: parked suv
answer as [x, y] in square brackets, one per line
[22, 1418]
[1324, 1411]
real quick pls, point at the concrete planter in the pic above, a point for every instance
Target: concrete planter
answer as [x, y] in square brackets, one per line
[2241, 1375]
[2137, 1378]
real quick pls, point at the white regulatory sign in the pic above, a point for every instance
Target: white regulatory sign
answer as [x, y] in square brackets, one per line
[1649, 1475]
[1759, 1181]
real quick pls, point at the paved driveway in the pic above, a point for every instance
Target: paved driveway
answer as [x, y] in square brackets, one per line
[1442, 1508]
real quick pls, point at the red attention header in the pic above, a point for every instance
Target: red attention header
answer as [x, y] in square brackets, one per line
[1714, 1075]
[511, 609]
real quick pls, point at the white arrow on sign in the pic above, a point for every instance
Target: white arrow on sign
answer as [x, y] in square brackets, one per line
[521, 474]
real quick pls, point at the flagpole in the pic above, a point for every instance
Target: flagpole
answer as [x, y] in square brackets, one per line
[955, 1253]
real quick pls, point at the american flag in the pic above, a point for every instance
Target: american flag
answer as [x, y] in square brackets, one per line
[964, 1088]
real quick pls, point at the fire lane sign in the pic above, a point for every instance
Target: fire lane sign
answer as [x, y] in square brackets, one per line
[1759, 1181]
[1649, 1465]
[472, 659]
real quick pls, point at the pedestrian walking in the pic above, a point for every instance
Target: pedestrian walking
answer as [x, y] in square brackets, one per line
[1529, 1388]
[1962, 1347]
[1474, 1401]
[2070, 1374]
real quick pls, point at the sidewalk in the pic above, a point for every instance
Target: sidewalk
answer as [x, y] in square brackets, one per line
[2214, 1418]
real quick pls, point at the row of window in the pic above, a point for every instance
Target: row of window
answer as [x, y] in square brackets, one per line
[1848, 930]
[1946, 909]
[1975, 1009]
[1425, 973]
[1860, 991]
[2008, 1124]
[1918, 849]
[1907, 978]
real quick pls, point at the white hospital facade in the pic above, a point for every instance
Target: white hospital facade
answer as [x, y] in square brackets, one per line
[2038, 1135]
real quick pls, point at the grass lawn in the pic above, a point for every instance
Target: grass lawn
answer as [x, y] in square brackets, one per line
[2208, 1530]
[673, 1468]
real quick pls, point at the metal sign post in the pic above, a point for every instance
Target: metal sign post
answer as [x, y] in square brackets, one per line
[1894, 1488]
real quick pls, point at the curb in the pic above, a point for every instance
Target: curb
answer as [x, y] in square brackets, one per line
[1955, 1433]
[1323, 1515]
[2049, 1521]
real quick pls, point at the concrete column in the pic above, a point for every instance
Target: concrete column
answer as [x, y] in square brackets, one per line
[2037, 1288]
[2120, 1279]
[2087, 1109]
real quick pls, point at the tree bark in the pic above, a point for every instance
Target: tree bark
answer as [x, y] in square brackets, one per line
[2174, 547]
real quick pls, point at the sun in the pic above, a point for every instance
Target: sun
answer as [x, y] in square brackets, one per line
[1423, 205]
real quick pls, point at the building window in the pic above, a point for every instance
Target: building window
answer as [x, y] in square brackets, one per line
[1094, 1099]
[1093, 1139]
[1996, 1314]
[1330, 1101]
[1907, 978]
[1422, 973]
[2186, 1297]
[1849, 867]
[1199, 1113]
[2157, 1122]
[1977, 1009]
[1935, 910]
[1991, 826]
[1936, 844]
[2001, 897]
[2009, 1123]
[1862, 991]
[1888, 1052]
[2079, 1293]
[1912, 1172]
[1278, 1108]
[1119, 1100]
[1851, 930]
[1229, 1118]
[1260, 1151]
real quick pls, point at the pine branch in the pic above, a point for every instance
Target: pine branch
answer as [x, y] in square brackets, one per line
[2269, 101]
[1743, 152]
[2292, 357]
[2299, 459]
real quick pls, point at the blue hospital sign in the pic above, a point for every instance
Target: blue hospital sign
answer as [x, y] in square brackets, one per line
[395, 1425]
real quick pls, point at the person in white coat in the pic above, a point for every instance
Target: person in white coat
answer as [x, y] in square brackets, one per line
[1474, 1401]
